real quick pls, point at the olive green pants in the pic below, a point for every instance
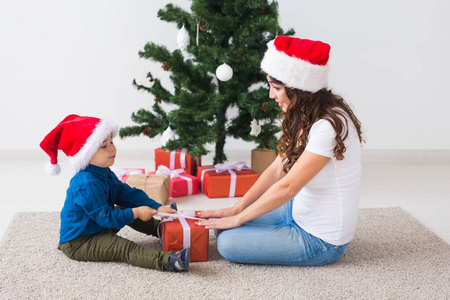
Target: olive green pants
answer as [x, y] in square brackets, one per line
[108, 246]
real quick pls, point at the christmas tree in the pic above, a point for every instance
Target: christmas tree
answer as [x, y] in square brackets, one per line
[220, 38]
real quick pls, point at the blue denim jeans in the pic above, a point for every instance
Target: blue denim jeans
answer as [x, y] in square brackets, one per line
[275, 238]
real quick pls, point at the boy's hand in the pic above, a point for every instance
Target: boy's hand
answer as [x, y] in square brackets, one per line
[144, 213]
[166, 209]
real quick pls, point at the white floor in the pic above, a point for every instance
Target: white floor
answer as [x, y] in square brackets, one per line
[417, 181]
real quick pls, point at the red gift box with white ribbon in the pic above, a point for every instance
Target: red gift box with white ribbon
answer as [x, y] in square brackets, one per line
[181, 183]
[124, 173]
[177, 159]
[226, 180]
[179, 231]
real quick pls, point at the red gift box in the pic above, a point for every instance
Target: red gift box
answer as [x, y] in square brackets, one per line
[123, 174]
[177, 159]
[225, 180]
[181, 184]
[173, 238]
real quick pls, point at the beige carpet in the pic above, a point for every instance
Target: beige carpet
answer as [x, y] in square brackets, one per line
[391, 257]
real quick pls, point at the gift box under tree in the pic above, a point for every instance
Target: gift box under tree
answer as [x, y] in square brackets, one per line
[182, 233]
[181, 183]
[226, 180]
[261, 159]
[155, 186]
[177, 159]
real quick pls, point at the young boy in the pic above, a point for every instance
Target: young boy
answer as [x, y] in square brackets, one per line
[98, 204]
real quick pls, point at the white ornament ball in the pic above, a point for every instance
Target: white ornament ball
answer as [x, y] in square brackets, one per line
[182, 39]
[224, 72]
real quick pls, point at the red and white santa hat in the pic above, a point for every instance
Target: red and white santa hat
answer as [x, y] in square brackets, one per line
[298, 63]
[79, 138]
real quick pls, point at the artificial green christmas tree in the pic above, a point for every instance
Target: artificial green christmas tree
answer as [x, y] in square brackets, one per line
[220, 38]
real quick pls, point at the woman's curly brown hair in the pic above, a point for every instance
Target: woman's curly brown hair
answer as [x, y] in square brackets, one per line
[304, 110]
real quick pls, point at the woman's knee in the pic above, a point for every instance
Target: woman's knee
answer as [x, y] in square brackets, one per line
[226, 245]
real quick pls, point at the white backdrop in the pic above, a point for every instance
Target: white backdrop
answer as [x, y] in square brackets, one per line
[60, 57]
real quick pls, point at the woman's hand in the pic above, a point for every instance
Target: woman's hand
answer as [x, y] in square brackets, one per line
[222, 223]
[218, 213]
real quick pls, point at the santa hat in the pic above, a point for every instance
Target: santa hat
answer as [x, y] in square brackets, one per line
[298, 63]
[79, 138]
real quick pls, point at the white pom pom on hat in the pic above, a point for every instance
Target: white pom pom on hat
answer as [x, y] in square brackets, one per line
[298, 63]
[79, 137]
[51, 169]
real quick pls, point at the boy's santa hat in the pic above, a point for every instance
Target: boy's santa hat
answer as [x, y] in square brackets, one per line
[79, 138]
[298, 63]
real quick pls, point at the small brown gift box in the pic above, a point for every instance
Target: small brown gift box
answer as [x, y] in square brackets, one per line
[261, 159]
[156, 187]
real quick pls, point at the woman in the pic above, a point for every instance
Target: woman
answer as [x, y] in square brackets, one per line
[303, 209]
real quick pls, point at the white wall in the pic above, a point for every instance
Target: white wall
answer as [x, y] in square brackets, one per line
[59, 57]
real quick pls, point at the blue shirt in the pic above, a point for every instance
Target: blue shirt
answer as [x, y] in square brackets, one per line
[90, 200]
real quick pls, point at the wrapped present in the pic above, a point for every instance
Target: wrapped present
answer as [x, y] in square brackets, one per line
[177, 159]
[261, 159]
[181, 183]
[226, 180]
[124, 173]
[155, 186]
[182, 232]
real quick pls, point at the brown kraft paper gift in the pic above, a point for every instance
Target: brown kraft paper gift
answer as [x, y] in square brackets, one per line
[155, 186]
[261, 159]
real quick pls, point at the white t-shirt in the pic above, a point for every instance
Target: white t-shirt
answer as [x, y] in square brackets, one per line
[327, 207]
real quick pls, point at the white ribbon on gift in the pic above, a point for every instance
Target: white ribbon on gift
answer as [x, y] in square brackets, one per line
[187, 214]
[163, 170]
[120, 172]
[182, 159]
[219, 168]
[182, 216]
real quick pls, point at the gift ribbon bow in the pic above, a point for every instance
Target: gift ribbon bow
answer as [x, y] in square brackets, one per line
[219, 168]
[182, 158]
[182, 216]
[163, 170]
[227, 167]
[122, 172]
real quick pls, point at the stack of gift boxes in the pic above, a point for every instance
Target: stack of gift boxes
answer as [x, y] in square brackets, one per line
[178, 174]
